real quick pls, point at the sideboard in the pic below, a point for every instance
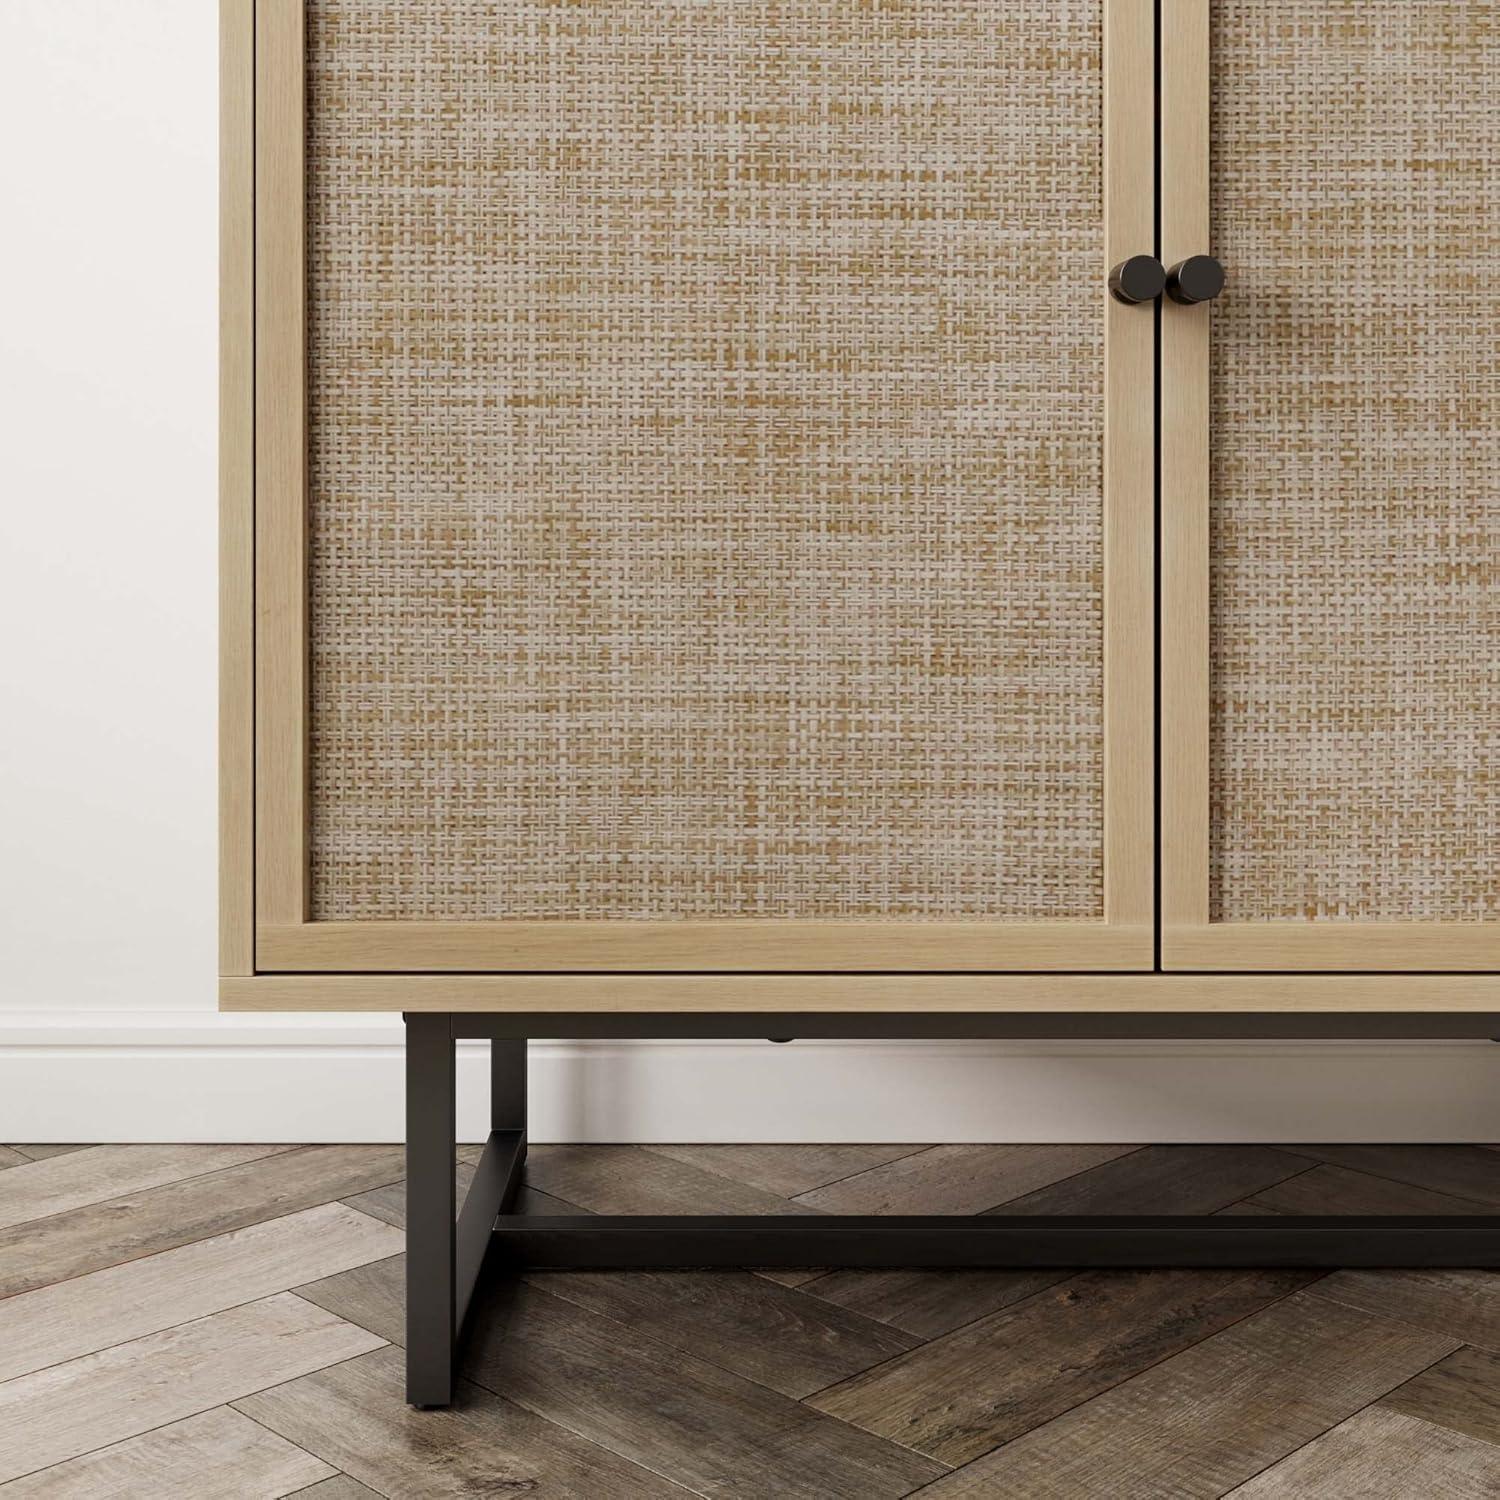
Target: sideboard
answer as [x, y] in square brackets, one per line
[939, 517]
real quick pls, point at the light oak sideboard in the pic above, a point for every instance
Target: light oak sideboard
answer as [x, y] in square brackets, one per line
[939, 517]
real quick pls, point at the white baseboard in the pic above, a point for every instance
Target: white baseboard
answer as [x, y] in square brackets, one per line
[169, 1076]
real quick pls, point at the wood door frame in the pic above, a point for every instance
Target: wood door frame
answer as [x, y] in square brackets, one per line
[264, 825]
[1190, 939]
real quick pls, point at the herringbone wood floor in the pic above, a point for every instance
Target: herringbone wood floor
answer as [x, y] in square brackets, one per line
[224, 1321]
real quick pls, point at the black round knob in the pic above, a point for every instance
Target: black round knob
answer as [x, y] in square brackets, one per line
[1139, 279]
[1199, 278]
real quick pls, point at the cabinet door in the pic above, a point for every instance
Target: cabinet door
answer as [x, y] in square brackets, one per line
[704, 490]
[1331, 473]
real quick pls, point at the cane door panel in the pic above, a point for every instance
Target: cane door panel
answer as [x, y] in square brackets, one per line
[704, 488]
[1332, 487]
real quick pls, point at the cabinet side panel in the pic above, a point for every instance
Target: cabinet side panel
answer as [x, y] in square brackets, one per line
[236, 486]
[1355, 416]
[705, 472]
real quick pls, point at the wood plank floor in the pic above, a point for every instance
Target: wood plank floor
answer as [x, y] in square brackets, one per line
[219, 1321]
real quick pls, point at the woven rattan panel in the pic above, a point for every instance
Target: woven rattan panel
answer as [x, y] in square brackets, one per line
[705, 459]
[1356, 460]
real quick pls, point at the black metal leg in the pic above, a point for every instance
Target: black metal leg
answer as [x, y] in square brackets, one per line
[445, 1255]
[445, 1259]
[507, 1084]
[431, 1321]
[497, 1178]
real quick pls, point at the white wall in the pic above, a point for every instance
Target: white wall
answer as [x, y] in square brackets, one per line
[108, 183]
[108, 115]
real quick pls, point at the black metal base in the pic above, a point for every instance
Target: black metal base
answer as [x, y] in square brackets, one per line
[447, 1250]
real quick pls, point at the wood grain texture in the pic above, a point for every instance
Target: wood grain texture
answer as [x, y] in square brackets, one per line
[664, 1409]
[1333, 946]
[746, 1324]
[354, 1416]
[1183, 379]
[1463, 1171]
[41, 1153]
[1163, 1180]
[281, 675]
[217, 1455]
[388, 1203]
[11, 1158]
[1153, 1179]
[1337, 1190]
[794, 1277]
[929, 1303]
[1381, 1454]
[785, 1170]
[956, 1179]
[1006, 1346]
[88, 1239]
[750, 1325]
[236, 486]
[103, 1398]
[1461, 1392]
[340, 1487]
[764, 946]
[961, 1395]
[1464, 1305]
[373, 1296]
[1129, 473]
[633, 1180]
[40, 1189]
[846, 993]
[674, 1413]
[1212, 1416]
[71, 1318]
